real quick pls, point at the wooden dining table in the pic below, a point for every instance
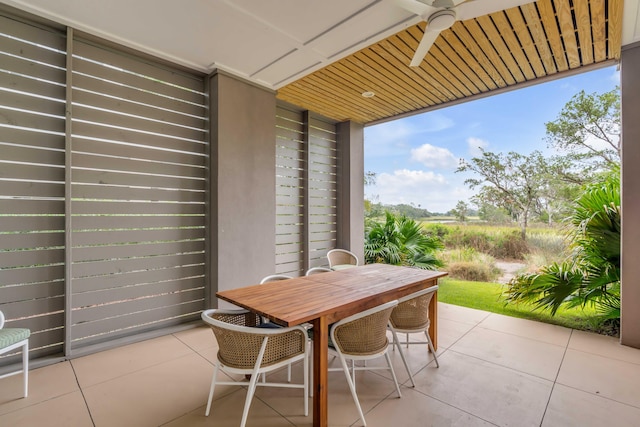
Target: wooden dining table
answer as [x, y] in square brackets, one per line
[324, 298]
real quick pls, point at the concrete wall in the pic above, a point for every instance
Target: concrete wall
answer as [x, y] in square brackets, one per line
[351, 188]
[630, 293]
[242, 183]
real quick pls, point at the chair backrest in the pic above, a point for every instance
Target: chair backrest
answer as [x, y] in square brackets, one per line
[363, 333]
[412, 311]
[342, 257]
[239, 341]
[274, 278]
[316, 270]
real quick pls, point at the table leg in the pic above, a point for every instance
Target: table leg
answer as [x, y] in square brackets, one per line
[433, 317]
[320, 372]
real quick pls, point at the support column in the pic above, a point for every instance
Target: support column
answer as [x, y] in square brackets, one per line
[351, 188]
[242, 183]
[630, 292]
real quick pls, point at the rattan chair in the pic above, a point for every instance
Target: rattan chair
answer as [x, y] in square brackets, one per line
[248, 350]
[362, 336]
[11, 339]
[412, 316]
[316, 270]
[341, 258]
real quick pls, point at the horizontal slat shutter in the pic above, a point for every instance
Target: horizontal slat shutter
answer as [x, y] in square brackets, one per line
[32, 159]
[322, 191]
[138, 193]
[306, 194]
[289, 197]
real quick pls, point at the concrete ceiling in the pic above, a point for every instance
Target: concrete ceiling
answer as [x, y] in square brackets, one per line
[277, 43]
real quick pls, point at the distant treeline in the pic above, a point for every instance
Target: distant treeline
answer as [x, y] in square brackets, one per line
[410, 211]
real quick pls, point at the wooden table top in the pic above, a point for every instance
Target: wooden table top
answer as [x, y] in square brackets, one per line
[334, 295]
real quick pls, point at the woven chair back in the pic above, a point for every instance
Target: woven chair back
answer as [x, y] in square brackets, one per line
[412, 314]
[341, 257]
[240, 348]
[364, 336]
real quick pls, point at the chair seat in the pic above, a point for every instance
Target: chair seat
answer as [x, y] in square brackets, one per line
[10, 336]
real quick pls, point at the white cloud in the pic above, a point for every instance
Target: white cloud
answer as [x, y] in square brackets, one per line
[474, 146]
[394, 138]
[434, 157]
[428, 190]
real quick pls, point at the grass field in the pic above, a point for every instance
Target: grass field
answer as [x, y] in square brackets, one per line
[487, 296]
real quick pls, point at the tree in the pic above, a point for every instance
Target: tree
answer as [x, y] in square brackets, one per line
[369, 178]
[410, 211]
[490, 213]
[514, 182]
[588, 130]
[400, 241]
[556, 197]
[461, 211]
[372, 208]
[591, 275]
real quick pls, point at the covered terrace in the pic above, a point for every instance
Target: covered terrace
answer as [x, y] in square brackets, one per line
[155, 152]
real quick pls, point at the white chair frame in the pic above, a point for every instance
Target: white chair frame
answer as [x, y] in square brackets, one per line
[258, 369]
[25, 358]
[351, 379]
[396, 341]
[316, 270]
[274, 277]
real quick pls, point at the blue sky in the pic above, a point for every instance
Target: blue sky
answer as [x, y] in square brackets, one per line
[415, 158]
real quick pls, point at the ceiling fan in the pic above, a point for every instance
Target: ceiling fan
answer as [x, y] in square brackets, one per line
[442, 14]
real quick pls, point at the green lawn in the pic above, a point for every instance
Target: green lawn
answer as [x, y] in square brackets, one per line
[487, 296]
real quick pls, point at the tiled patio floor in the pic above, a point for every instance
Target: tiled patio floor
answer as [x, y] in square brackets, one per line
[494, 370]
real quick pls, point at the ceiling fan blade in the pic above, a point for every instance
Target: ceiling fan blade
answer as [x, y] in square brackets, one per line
[414, 6]
[473, 9]
[427, 41]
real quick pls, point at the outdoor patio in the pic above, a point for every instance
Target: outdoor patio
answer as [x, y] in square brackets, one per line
[494, 370]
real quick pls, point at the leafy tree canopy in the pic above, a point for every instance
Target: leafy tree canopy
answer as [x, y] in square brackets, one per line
[511, 181]
[588, 130]
[461, 211]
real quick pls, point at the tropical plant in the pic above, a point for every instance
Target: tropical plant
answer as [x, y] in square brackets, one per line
[591, 274]
[400, 241]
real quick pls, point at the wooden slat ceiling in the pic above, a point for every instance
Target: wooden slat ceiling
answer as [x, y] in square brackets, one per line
[474, 57]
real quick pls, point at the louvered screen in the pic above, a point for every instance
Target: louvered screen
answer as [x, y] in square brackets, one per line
[322, 191]
[306, 191]
[138, 195]
[32, 174]
[290, 166]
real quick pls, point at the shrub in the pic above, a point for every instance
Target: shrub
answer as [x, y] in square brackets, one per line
[499, 242]
[545, 249]
[552, 246]
[510, 246]
[472, 271]
[468, 264]
[436, 230]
